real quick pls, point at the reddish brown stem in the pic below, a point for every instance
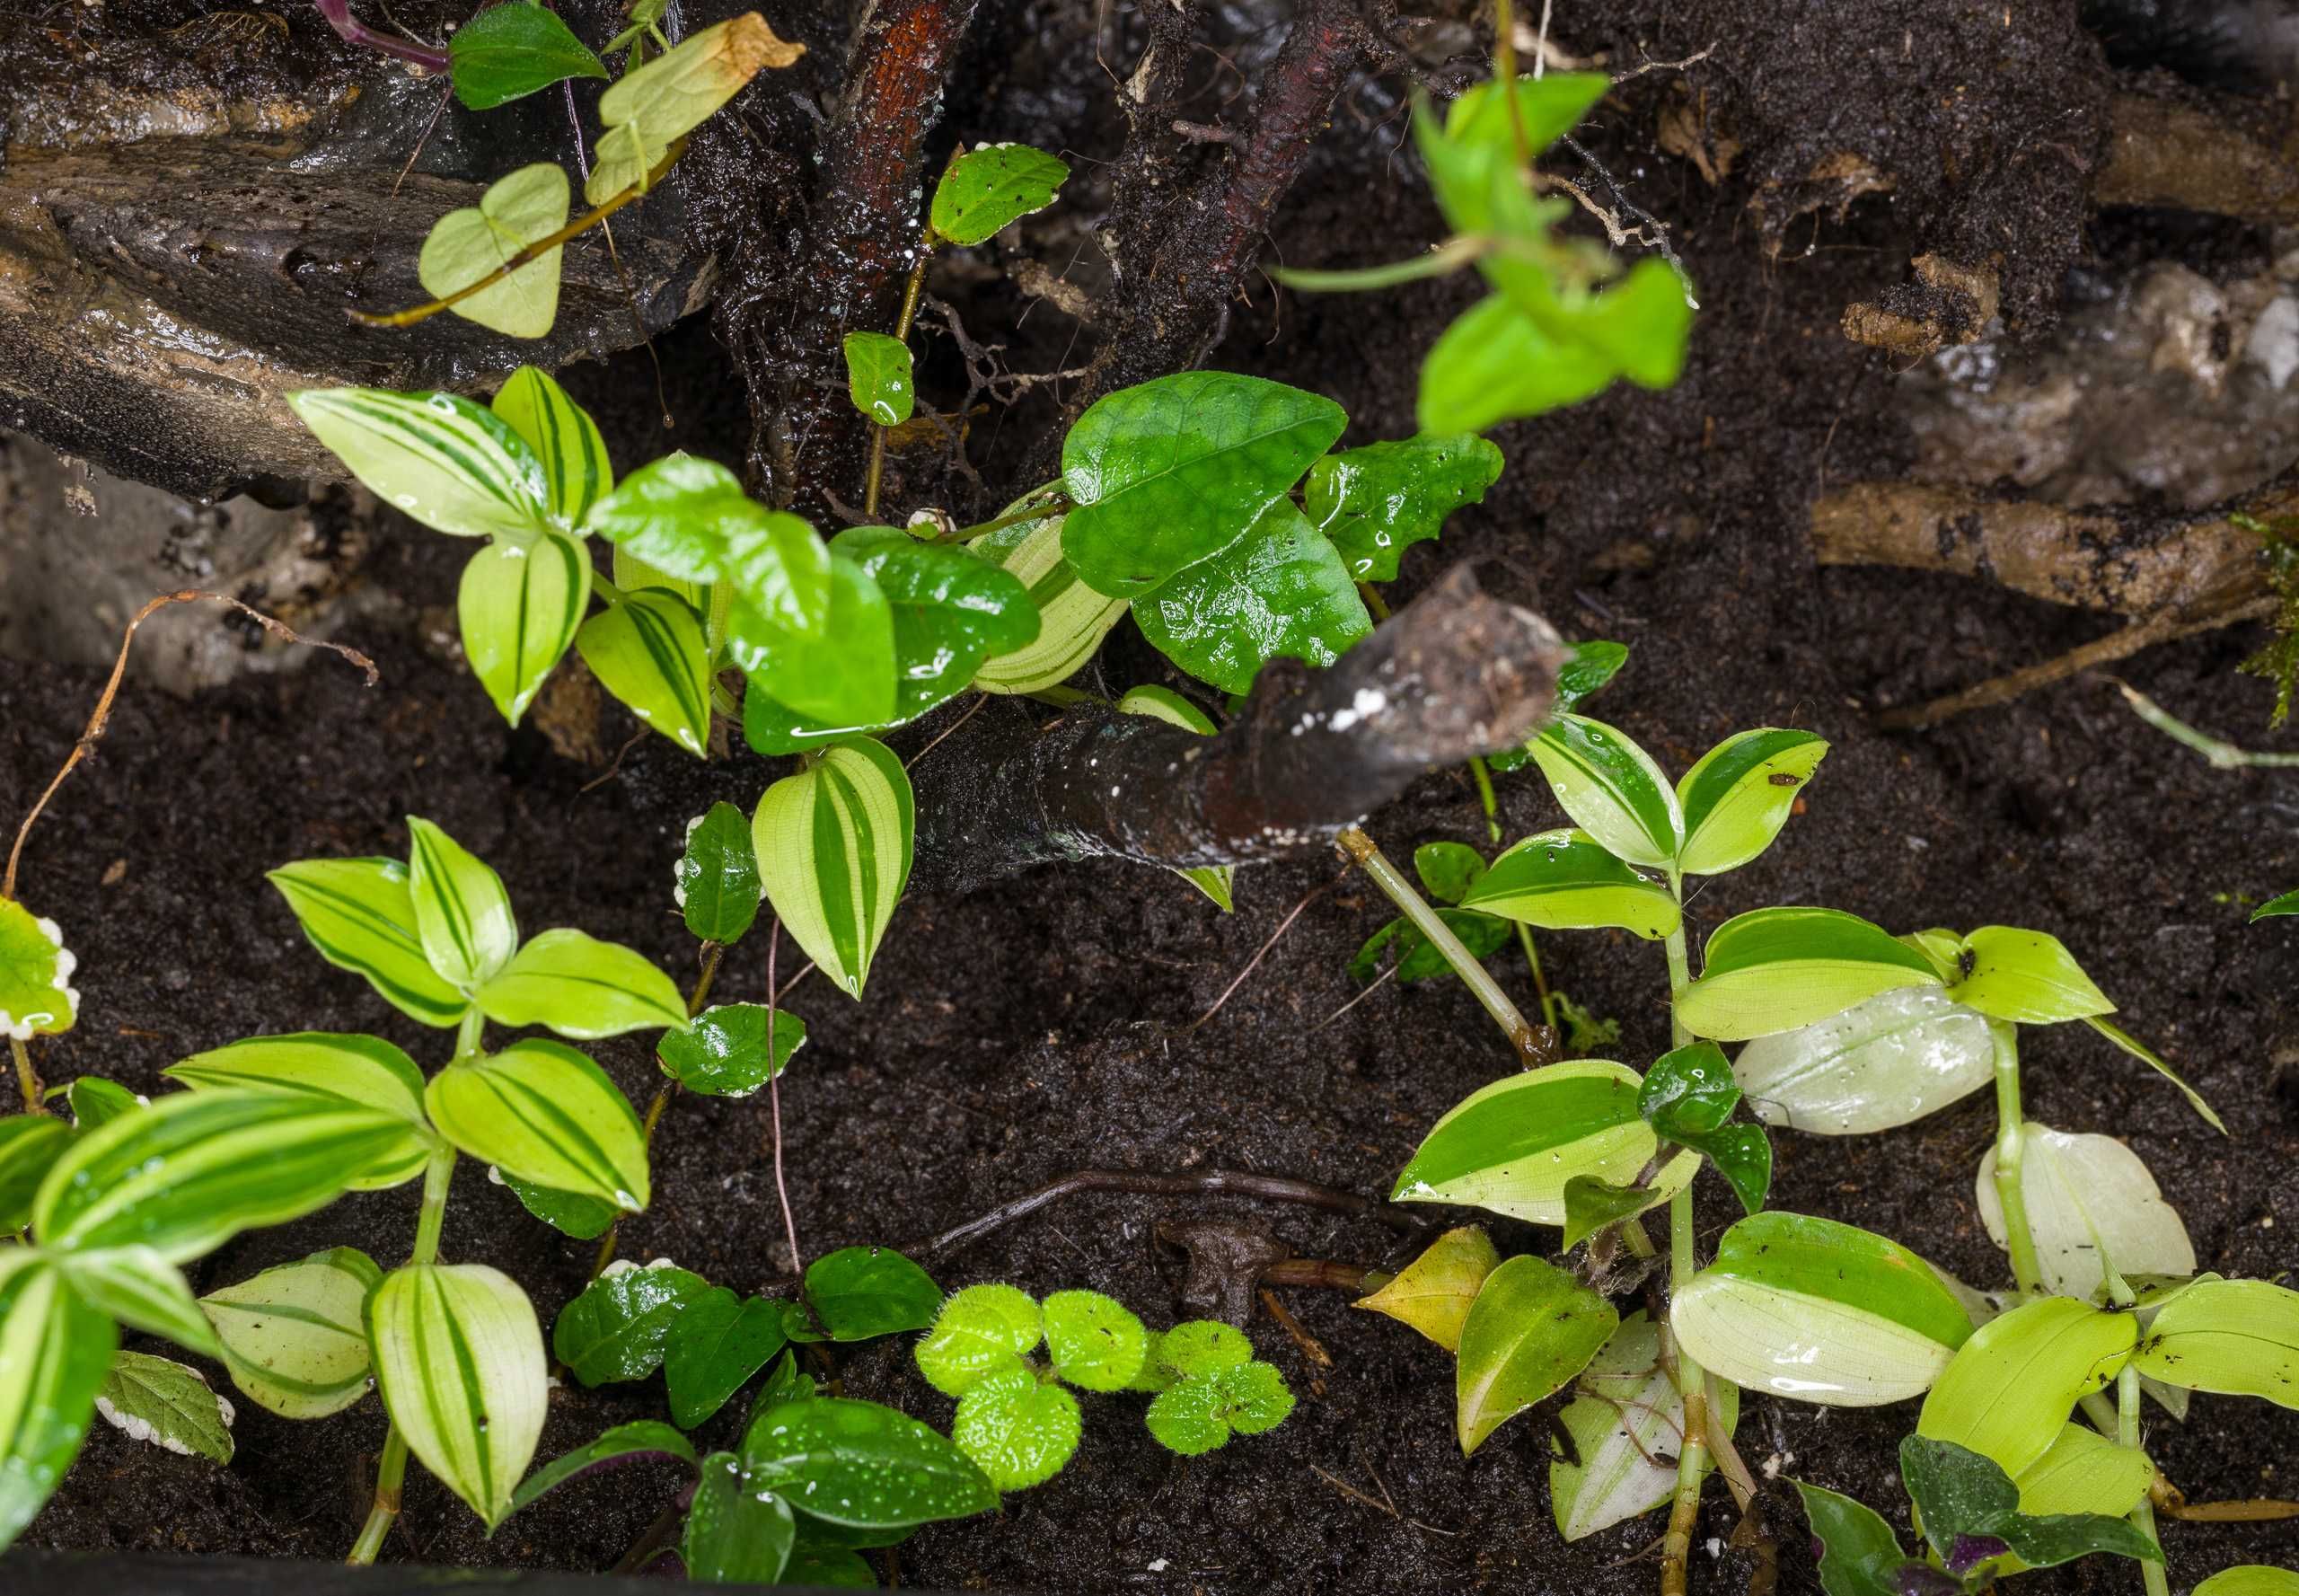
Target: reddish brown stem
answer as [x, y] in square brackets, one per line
[352, 30]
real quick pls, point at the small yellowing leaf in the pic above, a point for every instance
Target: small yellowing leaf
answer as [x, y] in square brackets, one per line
[671, 95]
[1433, 1292]
[468, 244]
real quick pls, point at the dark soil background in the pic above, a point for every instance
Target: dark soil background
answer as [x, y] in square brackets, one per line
[1035, 1028]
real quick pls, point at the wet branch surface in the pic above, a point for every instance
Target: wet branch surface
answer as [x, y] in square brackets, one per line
[1454, 674]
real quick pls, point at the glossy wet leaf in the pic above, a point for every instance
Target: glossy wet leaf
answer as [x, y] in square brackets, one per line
[1880, 1064]
[144, 1291]
[1803, 1307]
[717, 1342]
[196, 1168]
[858, 1292]
[689, 519]
[576, 470]
[842, 673]
[360, 914]
[724, 1053]
[518, 607]
[641, 1438]
[878, 378]
[718, 889]
[1492, 365]
[1433, 1292]
[2089, 1201]
[570, 1214]
[55, 1354]
[445, 462]
[952, 609]
[834, 846]
[1859, 1556]
[545, 1113]
[1203, 1411]
[2085, 1472]
[2026, 977]
[1416, 958]
[980, 1331]
[293, 1341]
[618, 1328]
[463, 914]
[1163, 703]
[863, 1465]
[2147, 1055]
[1019, 1430]
[1511, 1147]
[737, 1531]
[95, 1102]
[1377, 501]
[1568, 880]
[668, 97]
[1532, 1328]
[510, 50]
[459, 1360]
[2007, 1392]
[650, 651]
[36, 994]
[1688, 1097]
[1170, 472]
[1968, 1504]
[1073, 618]
[2239, 1337]
[990, 186]
[1627, 1422]
[167, 1404]
[30, 1145]
[1591, 1202]
[1780, 969]
[1093, 1342]
[582, 987]
[1612, 789]
[474, 242]
[1741, 793]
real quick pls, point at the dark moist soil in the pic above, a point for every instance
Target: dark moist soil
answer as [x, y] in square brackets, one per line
[1035, 1028]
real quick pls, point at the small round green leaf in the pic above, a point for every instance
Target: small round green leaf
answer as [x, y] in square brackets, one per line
[718, 876]
[724, 1053]
[1093, 1342]
[1201, 1347]
[1279, 590]
[689, 519]
[511, 50]
[861, 1291]
[618, 1328]
[981, 1330]
[717, 1342]
[1020, 1430]
[878, 378]
[990, 186]
[863, 1465]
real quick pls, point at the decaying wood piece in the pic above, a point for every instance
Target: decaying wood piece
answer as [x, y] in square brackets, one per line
[2193, 155]
[1946, 304]
[1456, 673]
[2172, 574]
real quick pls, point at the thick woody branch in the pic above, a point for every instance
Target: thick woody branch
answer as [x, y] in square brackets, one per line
[1455, 673]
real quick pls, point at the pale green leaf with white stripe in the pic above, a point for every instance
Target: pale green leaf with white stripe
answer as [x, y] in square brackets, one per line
[1567, 880]
[834, 846]
[2008, 1391]
[1780, 969]
[445, 462]
[1823, 1312]
[582, 987]
[167, 1404]
[459, 1359]
[1511, 1147]
[328, 1065]
[575, 469]
[293, 1338]
[1163, 703]
[1612, 788]
[1741, 793]
[1627, 1414]
[461, 911]
[652, 652]
[37, 998]
[541, 1111]
[1073, 618]
[518, 607]
[197, 1168]
[715, 601]
[55, 1352]
[360, 914]
[143, 1291]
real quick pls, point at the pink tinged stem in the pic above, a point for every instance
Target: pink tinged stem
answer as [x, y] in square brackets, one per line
[352, 30]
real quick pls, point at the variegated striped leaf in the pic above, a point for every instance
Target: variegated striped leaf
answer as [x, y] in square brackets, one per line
[327, 1065]
[55, 1352]
[168, 1404]
[544, 1112]
[461, 911]
[143, 1291]
[714, 601]
[1739, 795]
[360, 914]
[1511, 1147]
[651, 652]
[575, 470]
[582, 987]
[1163, 703]
[293, 1336]
[30, 1145]
[1820, 1311]
[1612, 789]
[833, 854]
[519, 606]
[1073, 618]
[459, 1359]
[445, 462]
[197, 1168]
[1625, 1416]
[1782, 969]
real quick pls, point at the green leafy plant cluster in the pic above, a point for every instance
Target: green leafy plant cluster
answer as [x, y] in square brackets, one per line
[1015, 1419]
